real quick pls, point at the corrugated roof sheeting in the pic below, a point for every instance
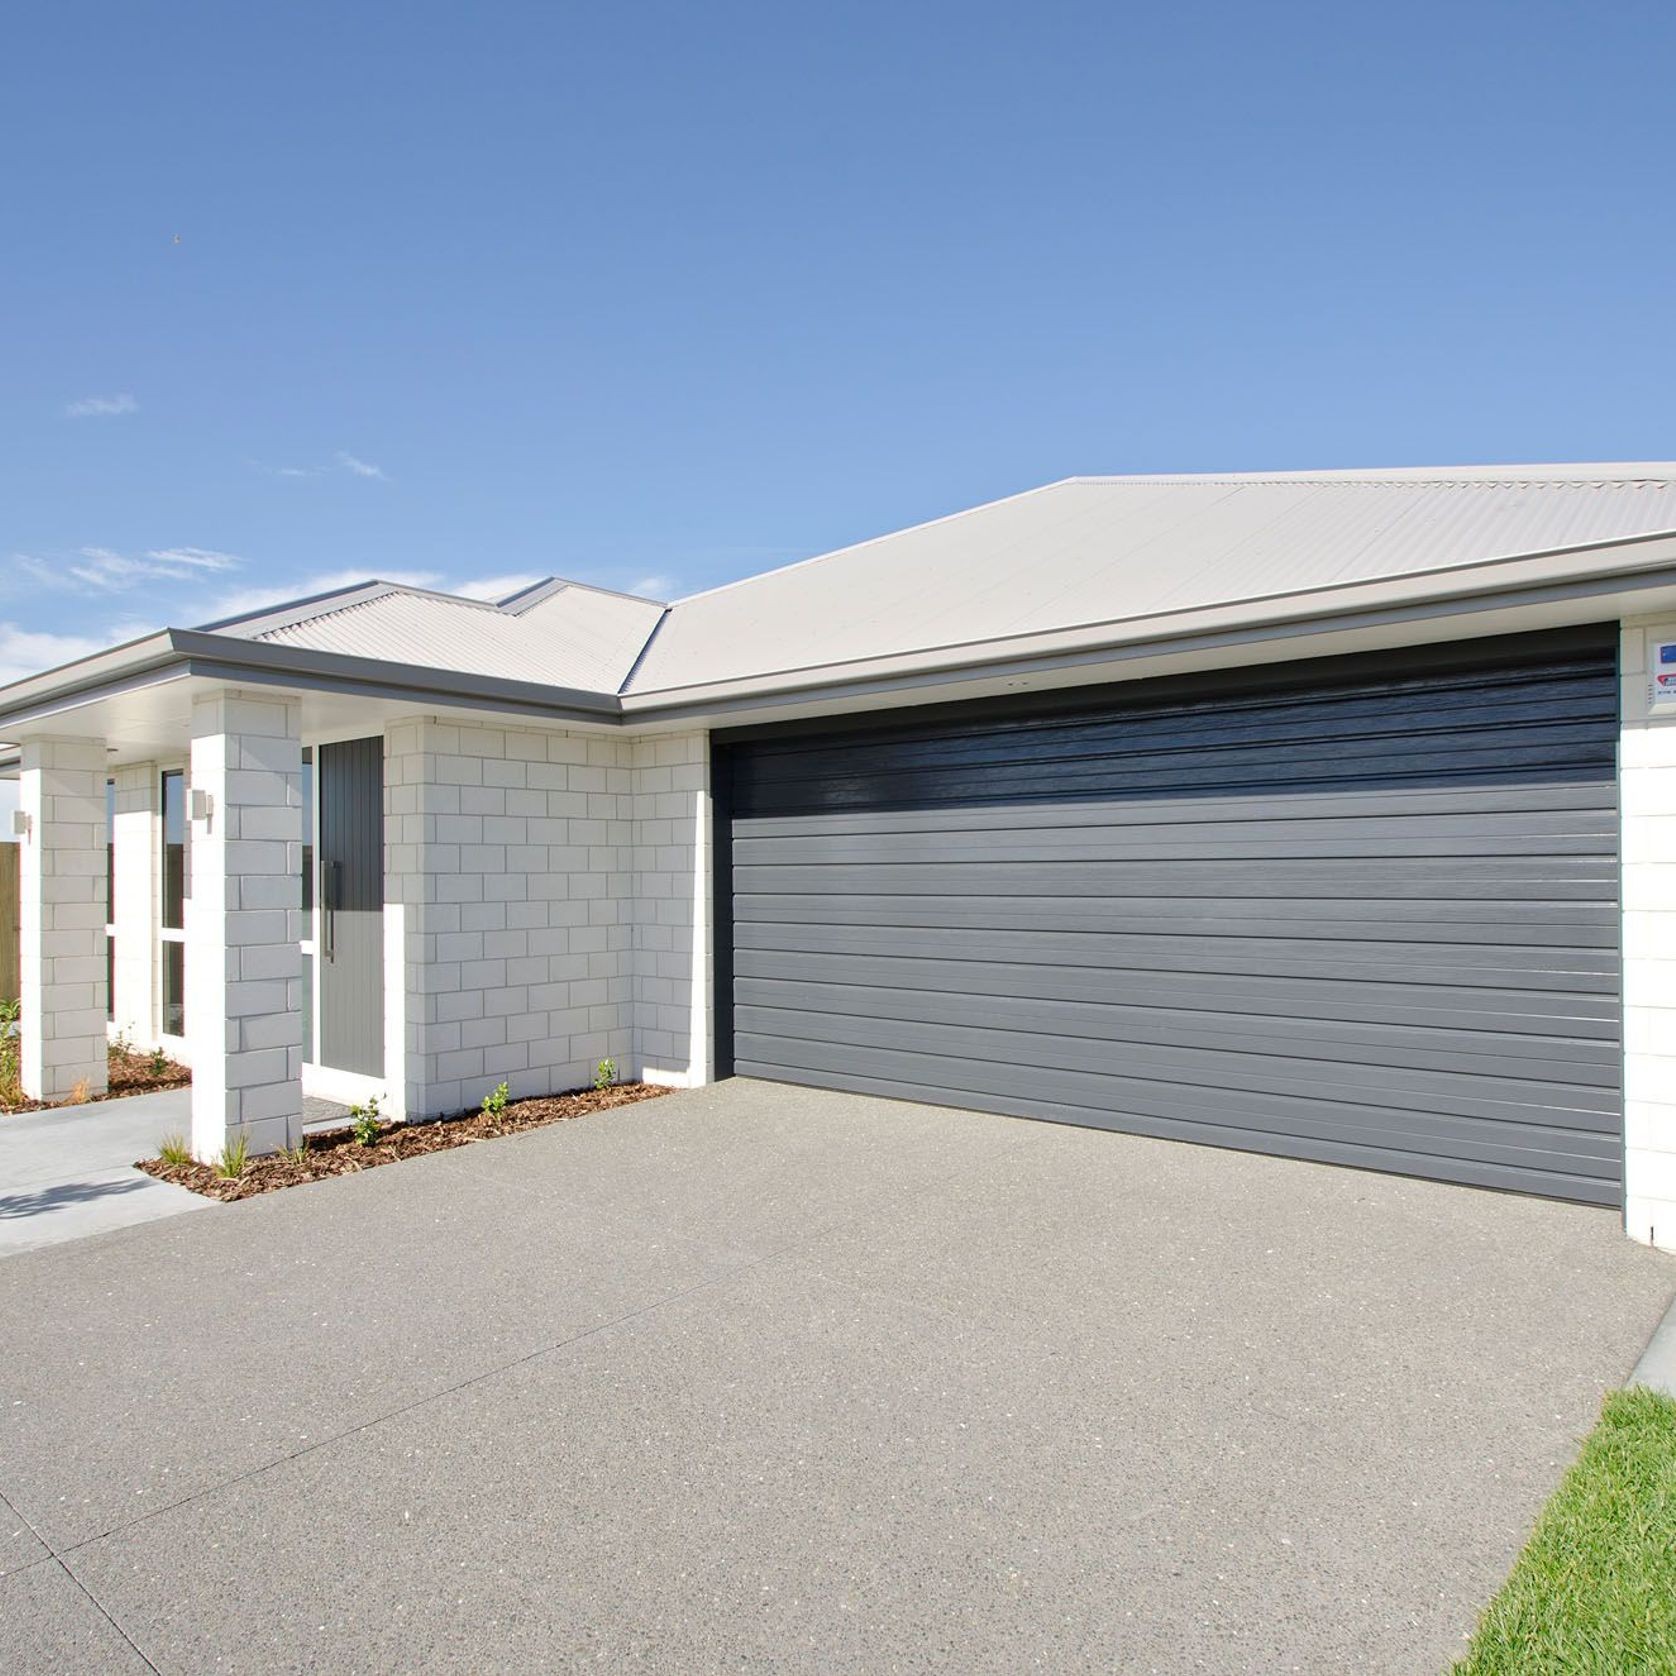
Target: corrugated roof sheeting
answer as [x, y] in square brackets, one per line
[1097, 550]
[577, 637]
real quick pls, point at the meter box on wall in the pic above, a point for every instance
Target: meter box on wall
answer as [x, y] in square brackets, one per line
[1661, 687]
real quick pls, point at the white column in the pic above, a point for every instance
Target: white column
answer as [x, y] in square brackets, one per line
[244, 920]
[1647, 767]
[672, 935]
[135, 912]
[62, 917]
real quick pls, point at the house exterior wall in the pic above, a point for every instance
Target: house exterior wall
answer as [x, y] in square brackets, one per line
[1647, 769]
[509, 865]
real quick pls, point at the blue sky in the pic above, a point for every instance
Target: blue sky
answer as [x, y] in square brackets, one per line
[657, 296]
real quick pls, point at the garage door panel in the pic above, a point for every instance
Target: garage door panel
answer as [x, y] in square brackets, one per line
[1578, 709]
[1553, 1178]
[1551, 758]
[1587, 1062]
[1375, 842]
[1488, 1009]
[1559, 801]
[1373, 917]
[1334, 1125]
[1557, 925]
[1433, 1092]
[1585, 971]
[1559, 881]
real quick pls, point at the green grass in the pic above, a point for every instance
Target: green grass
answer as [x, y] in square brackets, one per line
[1594, 1592]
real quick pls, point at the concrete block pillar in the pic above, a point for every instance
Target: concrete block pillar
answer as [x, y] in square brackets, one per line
[62, 917]
[244, 921]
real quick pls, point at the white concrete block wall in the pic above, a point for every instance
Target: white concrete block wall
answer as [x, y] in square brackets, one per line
[244, 920]
[1647, 768]
[672, 933]
[62, 917]
[134, 913]
[509, 861]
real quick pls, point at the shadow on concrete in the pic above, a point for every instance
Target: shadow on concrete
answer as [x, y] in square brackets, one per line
[62, 1195]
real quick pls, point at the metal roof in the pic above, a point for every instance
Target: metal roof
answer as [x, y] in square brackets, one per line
[1099, 550]
[570, 636]
[1089, 569]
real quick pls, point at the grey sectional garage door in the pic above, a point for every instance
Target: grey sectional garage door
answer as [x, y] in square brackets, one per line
[1353, 912]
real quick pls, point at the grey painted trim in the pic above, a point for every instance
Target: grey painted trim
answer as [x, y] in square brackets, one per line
[831, 685]
[228, 657]
[516, 604]
[273, 617]
[95, 671]
[231, 660]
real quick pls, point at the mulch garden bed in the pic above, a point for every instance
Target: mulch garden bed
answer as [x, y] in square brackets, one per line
[128, 1071]
[336, 1152]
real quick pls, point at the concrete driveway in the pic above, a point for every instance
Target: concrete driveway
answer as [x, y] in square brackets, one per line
[69, 1171]
[753, 1378]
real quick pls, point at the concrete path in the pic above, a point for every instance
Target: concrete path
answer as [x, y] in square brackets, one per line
[753, 1378]
[68, 1172]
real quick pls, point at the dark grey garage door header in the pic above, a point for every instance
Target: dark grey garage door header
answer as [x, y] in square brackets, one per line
[1360, 911]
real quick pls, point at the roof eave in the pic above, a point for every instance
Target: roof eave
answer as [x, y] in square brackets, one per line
[178, 653]
[1533, 579]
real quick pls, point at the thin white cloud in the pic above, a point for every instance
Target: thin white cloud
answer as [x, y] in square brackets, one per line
[241, 601]
[29, 651]
[103, 570]
[497, 587]
[90, 407]
[654, 587]
[342, 461]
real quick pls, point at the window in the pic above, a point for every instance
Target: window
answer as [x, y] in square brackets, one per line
[110, 899]
[177, 844]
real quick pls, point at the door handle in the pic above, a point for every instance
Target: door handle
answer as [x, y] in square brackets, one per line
[329, 910]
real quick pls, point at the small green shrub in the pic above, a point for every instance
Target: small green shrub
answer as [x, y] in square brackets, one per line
[494, 1102]
[122, 1043]
[605, 1073]
[174, 1151]
[235, 1155]
[158, 1064]
[365, 1122]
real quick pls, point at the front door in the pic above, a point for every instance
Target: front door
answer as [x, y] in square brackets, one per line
[349, 782]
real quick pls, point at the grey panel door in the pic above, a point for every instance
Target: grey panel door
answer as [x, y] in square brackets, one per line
[1366, 915]
[349, 783]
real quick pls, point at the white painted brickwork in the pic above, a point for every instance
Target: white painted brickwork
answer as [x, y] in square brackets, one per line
[508, 859]
[1647, 764]
[136, 910]
[244, 919]
[62, 917]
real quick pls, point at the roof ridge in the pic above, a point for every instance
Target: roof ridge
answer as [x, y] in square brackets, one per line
[872, 540]
[1626, 472]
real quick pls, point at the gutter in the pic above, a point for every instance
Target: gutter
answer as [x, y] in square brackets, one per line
[1529, 579]
[1544, 578]
[178, 653]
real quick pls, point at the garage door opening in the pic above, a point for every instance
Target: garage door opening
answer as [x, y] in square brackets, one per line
[1359, 911]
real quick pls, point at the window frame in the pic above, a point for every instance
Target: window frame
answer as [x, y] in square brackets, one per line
[166, 933]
